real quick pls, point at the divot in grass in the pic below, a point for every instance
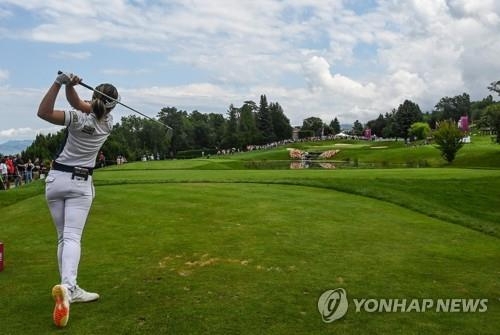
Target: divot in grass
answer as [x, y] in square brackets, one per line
[188, 267]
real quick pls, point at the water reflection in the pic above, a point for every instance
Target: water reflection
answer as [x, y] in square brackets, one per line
[306, 164]
[330, 165]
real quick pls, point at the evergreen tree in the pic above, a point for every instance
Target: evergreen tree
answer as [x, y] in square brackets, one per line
[265, 122]
[357, 128]
[335, 126]
[217, 126]
[247, 126]
[231, 138]
[390, 127]
[281, 124]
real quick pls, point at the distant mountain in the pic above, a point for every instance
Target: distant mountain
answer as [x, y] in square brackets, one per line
[14, 147]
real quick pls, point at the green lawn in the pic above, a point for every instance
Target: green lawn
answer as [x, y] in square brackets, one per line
[481, 153]
[209, 247]
[190, 251]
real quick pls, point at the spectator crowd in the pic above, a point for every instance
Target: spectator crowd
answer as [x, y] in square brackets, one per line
[16, 172]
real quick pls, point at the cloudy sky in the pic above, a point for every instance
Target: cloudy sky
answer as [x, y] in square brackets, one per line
[350, 59]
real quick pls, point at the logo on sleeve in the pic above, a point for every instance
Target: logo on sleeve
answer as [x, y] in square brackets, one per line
[74, 117]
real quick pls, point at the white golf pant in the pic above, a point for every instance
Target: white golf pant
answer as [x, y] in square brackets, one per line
[69, 201]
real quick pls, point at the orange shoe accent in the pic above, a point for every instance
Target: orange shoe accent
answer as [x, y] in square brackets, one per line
[61, 309]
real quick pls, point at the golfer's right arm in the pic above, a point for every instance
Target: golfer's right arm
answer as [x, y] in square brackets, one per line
[46, 109]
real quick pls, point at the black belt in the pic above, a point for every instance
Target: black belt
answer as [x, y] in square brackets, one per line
[67, 168]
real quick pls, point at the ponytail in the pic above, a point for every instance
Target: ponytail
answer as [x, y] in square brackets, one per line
[101, 105]
[99, 108]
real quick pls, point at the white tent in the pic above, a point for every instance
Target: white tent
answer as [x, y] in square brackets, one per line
[342, 135]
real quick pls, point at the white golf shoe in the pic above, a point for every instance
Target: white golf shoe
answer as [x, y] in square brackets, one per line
[80, 295]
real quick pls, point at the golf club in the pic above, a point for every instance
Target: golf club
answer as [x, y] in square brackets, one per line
[169, 131]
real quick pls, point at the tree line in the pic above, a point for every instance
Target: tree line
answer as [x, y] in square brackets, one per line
[259, 124]
[193, 133]
[408, 121]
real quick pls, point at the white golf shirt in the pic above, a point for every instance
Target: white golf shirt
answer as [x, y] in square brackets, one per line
[84, 138]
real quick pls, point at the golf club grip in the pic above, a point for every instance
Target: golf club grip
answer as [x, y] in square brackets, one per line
[80, 83]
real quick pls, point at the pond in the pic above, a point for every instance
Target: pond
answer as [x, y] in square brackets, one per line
[329, 165]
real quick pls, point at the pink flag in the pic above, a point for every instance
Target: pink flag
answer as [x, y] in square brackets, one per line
[368, 133]
[464, 123]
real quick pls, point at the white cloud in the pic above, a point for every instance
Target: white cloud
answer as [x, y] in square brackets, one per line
[4, 75]
[25, 133]
[15, 132]
[319, 77]
[125, 72]
[400, 86]
[72, 55]
[316, 58]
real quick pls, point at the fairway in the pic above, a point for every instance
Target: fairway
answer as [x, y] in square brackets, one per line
[250, 252]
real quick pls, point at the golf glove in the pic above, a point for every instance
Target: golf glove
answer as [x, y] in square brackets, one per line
[64, 78]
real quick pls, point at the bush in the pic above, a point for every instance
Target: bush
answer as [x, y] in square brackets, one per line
[449, 139]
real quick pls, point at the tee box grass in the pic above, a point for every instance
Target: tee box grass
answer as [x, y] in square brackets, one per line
[199, 247]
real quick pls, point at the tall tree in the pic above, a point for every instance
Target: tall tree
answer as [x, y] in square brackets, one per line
[123, 140]
[454, 107]
[247, 126]
[153, 138]
[182, 134]
[335, 126]
[357, 128]
[231, 137]
[390, 129]
[478, 107]
[493, 118]
[314, 124]
[377, 126]
[327, 130]
[407, 114]
[281, 124]
[265, 122]
[217, 125]
[201, 130]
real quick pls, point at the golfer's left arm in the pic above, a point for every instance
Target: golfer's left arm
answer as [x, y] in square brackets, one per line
[46, 109]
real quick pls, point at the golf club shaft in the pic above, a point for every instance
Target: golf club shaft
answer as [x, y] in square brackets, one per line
[117, 101]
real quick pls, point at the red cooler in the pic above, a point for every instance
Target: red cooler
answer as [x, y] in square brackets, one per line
[1, 256]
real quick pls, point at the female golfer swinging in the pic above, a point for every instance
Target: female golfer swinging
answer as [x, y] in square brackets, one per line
[69, 188]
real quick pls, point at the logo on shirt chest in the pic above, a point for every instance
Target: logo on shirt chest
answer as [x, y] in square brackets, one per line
[88, 130]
